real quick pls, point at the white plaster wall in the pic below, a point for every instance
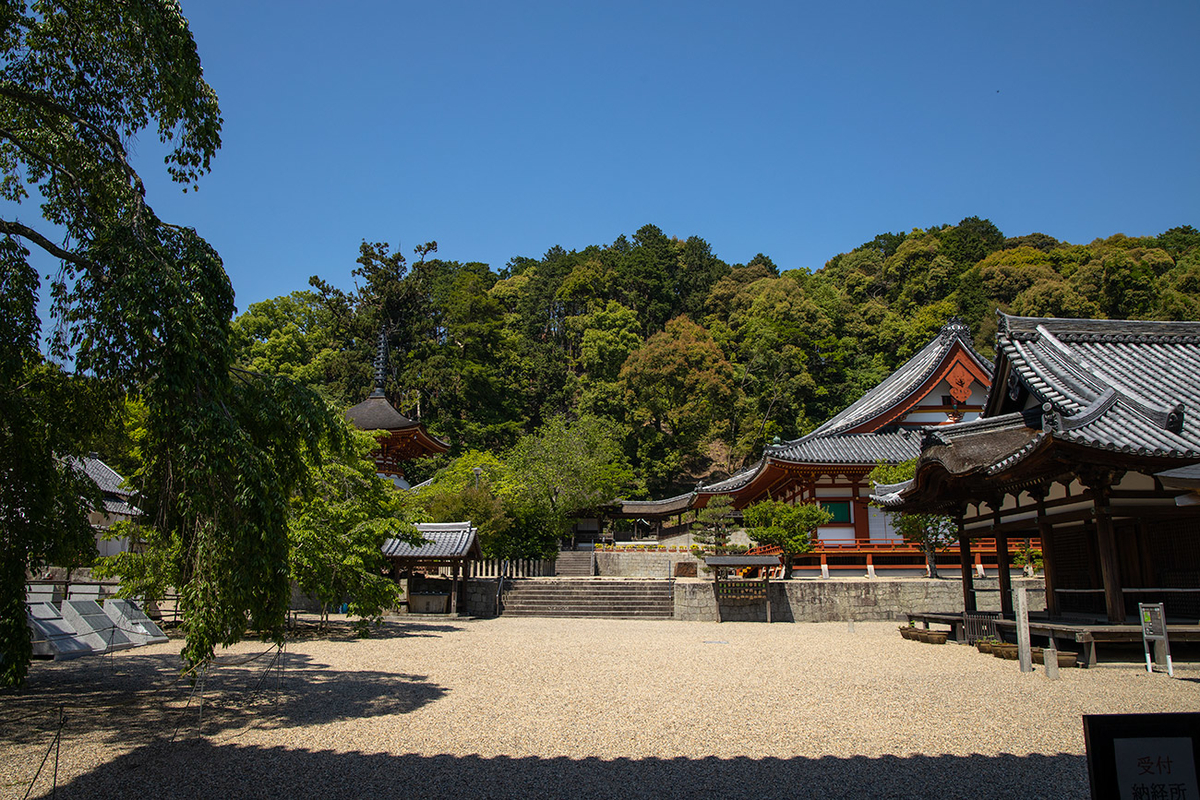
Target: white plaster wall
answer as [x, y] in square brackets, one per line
[880, 526]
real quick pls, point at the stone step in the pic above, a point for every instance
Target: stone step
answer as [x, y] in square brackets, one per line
[607, 599]
[591, 614]
[573, 563]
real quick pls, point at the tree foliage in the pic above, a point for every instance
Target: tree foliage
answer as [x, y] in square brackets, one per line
[140, 305]
[336, 531]
[791, 528]
[931, 531]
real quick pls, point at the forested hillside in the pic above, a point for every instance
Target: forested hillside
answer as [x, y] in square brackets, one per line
[697, 361]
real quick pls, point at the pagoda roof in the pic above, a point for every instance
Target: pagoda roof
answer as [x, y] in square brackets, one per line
[377, 414]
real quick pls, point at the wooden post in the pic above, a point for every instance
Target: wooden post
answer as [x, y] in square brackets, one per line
[964, 560]
[1110, 568]
[1024, 654]
[1046, 532]
[1002, 563]
[454, 590]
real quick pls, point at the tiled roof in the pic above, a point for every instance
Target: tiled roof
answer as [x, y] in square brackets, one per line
[117, 495]
[1120, 385]
[447, 540]
[101, 474]
[377, 414]
[903, 382]
[851, 448]
[1181, 477]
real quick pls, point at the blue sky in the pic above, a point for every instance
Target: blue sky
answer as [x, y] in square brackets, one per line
[799, 130]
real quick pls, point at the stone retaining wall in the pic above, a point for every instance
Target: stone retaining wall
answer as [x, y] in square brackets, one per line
[845, 599]
[652, 564]
[478, 597]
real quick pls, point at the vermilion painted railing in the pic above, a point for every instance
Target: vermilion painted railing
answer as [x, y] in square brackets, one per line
[978, 546]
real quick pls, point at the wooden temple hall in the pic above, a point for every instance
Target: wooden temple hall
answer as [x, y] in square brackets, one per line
[1089, 440]
[944, 383]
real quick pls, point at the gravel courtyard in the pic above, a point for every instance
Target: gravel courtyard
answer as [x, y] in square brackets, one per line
[521, 707]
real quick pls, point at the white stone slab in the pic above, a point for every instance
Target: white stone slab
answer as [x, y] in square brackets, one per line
[139, 628]
[52, 636]
[93, 626]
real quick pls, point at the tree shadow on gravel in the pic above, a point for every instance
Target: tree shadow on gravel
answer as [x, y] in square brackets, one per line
[344, 630]
[200, 768]
[143, 700]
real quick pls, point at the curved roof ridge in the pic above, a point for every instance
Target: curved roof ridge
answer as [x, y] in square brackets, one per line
[900, 385]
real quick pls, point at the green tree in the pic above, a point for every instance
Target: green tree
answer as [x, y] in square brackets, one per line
[931, 531]
[677, 385]
[789, 527]
[141, 304]
[562, 468]
[713, 526]
[470, 489]
[336, 532]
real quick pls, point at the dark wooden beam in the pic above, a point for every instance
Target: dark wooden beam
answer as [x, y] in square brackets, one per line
[968, 569]
[1003, 567]
[1046, 532]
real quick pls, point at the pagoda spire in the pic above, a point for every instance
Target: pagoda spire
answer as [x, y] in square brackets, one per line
[380, 361]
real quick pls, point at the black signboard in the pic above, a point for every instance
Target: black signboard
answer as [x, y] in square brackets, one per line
[1136, 756]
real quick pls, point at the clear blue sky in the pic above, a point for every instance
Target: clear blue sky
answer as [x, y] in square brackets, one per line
[799, 130]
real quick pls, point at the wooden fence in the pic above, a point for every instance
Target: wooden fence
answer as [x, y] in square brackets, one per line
[511, 568]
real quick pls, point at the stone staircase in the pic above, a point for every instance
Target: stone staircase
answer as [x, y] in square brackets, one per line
[573, 564]
[589, 598]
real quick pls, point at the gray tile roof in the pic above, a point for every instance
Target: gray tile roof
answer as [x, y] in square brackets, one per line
[444, 540]
[377, 414]
[101, 474]
[852, 448]
[828, 444]
[1130, 387]
[1119, 385]
[903, 382]
[117, 496]
[1181, 477]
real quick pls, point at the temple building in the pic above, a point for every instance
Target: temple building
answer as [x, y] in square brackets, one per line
[404, 440]
[945, 382]
[1087, 440]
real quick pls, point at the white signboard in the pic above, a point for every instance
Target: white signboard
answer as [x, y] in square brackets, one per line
[1149, 768]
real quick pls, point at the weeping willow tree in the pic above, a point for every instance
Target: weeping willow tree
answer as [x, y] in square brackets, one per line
[137, 305]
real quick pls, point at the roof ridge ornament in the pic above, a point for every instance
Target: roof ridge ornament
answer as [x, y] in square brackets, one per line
[955, 328]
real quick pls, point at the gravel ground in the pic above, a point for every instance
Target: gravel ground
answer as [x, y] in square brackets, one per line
[522, 707]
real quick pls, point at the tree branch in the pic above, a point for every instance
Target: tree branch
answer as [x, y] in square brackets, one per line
[25, 232]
